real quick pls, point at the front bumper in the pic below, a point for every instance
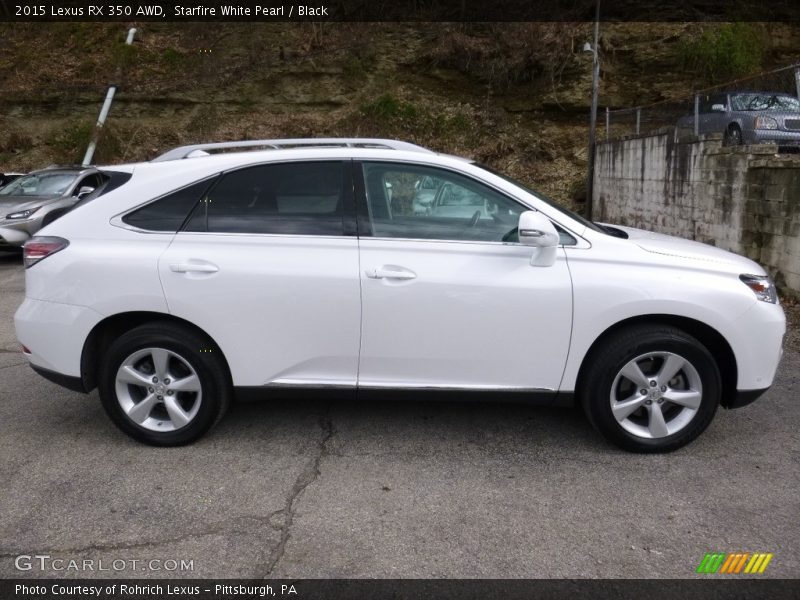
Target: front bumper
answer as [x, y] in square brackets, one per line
[775, 136]
[756, 338]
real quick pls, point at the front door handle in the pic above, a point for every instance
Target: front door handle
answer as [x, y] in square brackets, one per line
[193, 267]
[390, 272]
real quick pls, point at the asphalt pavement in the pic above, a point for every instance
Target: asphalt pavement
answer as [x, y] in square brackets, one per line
[296, 489]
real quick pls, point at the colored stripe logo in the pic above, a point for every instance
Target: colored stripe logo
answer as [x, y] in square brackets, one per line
[735, 562]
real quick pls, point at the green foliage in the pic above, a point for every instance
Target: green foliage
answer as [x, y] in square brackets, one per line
[356, 67]
[204, 122]
[123, 55]
[724, 52]
[454, 124]
[171, 58]
[109, 145]
[70, 144]
[387, 107]
[577, 190]
[506, 54]
[390, 116]
[14, 142]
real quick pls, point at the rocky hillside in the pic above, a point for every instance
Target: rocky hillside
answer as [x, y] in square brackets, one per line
[512, 95]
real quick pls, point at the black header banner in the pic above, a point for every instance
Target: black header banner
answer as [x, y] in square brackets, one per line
[399, 10]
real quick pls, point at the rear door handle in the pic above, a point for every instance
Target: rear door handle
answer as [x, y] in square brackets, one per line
[193, 267]
[390, 272]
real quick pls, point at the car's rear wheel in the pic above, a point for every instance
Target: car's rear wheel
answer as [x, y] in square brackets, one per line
[163, 384]
[651, 389]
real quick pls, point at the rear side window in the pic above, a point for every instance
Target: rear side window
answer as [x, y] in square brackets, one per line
[169, 212]
[286, 198]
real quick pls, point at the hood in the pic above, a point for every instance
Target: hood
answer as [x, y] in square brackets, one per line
[17, 203]
[668, 245]
[782, 114]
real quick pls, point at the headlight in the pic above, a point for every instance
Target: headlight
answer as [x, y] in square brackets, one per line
[762, 287]
[23, 214]
[766, 123]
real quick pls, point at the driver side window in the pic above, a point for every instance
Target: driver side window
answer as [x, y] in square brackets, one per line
[415, 202]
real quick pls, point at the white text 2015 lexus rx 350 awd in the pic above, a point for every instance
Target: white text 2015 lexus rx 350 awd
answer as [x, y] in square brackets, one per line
[361, 266]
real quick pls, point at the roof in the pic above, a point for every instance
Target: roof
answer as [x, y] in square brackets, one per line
[64, 169]
[198, 150]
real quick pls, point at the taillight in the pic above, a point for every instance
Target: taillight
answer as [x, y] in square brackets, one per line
[39, 247]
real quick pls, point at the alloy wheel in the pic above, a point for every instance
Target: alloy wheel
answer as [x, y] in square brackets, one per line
[158, 389]
[656, 395]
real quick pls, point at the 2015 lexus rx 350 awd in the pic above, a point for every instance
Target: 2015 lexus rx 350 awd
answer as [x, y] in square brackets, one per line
[304, 264]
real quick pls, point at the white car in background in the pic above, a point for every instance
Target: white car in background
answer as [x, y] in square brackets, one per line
[203, 273]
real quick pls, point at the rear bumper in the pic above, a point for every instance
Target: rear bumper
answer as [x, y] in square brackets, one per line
[55, 334]
[743, 398]
[71, 383]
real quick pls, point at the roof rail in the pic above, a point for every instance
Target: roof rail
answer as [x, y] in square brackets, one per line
[203, 149]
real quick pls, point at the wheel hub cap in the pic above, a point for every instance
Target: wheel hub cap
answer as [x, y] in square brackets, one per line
[656, 395]
[158, 389]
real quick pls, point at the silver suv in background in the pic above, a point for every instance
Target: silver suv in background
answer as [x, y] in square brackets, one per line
[35, 200]
[748, 118]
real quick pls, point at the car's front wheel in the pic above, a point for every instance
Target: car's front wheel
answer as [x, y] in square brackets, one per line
[163, 384]
[732, 136]
[651, 388]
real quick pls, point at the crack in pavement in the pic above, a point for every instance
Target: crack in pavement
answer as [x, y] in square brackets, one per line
[307, 476]
[14, 365]
[229, 527]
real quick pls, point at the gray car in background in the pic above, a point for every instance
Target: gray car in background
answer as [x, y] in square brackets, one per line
[30, 202]
[748, 118]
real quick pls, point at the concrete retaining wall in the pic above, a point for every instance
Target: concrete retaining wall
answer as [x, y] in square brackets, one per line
[744, 199]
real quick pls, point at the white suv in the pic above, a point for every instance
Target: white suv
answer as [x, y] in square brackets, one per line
[302, 264]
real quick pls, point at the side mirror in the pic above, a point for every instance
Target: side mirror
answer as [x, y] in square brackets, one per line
[84, 191]
[537, 231]
[717, 108]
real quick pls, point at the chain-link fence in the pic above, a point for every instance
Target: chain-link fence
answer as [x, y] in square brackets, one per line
[703, 111]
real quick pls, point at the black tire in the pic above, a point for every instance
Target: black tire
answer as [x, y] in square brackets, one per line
[732, 136]
[607, 361]
[194, 349]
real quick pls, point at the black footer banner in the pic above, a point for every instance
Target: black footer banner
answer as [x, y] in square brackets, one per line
[398, 589]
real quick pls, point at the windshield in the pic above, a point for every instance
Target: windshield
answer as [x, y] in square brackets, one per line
[764, 102]
[545, 199]
[40, 184]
